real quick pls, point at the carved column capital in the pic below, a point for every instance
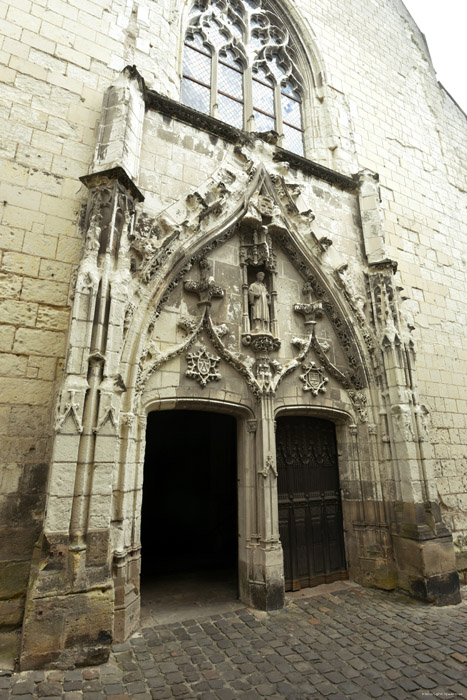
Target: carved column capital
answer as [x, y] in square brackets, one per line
[310, 312]
[106, 177]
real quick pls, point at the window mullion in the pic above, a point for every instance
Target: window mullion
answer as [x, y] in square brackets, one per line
[248, 117]
[260, 43]
[214, 79]
[278, 113]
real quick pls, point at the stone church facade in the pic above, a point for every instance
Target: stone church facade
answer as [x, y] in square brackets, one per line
[250, 211]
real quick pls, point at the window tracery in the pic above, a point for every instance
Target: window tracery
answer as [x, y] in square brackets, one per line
[239, 66]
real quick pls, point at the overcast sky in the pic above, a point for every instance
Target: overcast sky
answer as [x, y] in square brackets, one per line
[444, 24]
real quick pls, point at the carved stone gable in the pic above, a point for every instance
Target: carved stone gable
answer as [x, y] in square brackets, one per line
[252, 276]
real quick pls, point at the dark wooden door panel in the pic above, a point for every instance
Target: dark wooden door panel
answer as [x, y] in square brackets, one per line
[310, 513]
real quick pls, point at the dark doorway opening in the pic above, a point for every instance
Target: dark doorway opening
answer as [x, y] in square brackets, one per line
[189, 514]
[310, 510]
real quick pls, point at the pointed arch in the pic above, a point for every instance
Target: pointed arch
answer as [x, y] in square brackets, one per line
[354, 338]
[306, 93]
[246, 64]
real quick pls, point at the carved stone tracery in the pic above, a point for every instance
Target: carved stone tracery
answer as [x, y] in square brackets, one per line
[257, 252]
[256, 248]
[356, 374]
[251, 32]
[111, 209]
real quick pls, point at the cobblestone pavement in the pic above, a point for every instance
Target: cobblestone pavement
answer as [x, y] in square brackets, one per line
[355, 643]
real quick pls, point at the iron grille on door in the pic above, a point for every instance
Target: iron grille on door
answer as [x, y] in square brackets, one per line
[310, 513]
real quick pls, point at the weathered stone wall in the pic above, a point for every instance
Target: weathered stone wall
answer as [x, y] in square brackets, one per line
[379, 108]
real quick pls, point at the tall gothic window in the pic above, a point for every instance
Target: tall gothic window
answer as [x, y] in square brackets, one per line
[240, 67]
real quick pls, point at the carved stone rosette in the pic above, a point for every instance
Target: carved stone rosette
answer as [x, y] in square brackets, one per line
[313, 379]
[202, 366]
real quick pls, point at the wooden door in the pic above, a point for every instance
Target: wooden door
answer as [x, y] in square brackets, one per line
[310, 512]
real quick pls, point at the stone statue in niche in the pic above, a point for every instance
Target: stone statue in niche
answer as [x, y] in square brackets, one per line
[258, 297]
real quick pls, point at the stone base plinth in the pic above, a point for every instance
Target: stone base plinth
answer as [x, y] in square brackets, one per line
[426, 569]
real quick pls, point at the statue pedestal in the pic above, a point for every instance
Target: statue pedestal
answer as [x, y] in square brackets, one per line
[261, 342]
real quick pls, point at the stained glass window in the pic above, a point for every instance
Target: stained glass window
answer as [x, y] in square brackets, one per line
[263, 101]
[197, 96]
[291, 119]
[196, 83]
[230, 111]
[218, 58]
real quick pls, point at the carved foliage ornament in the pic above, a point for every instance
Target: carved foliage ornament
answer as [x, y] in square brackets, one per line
[359, 400]
[150, 253]
[202, 366]
[261, 342]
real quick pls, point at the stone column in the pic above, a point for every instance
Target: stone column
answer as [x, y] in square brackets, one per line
[247, 511]
[267, 584]
[126, 543]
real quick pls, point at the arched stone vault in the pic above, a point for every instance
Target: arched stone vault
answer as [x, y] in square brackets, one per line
[161, 318]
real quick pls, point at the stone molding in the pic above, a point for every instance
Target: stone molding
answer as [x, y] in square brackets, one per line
[175, 110]
[117, 174]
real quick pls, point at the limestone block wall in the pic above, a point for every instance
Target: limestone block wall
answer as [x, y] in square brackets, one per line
[379, 107]
[406, 128]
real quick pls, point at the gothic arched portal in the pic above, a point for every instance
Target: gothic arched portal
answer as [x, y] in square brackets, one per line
[260, 290]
